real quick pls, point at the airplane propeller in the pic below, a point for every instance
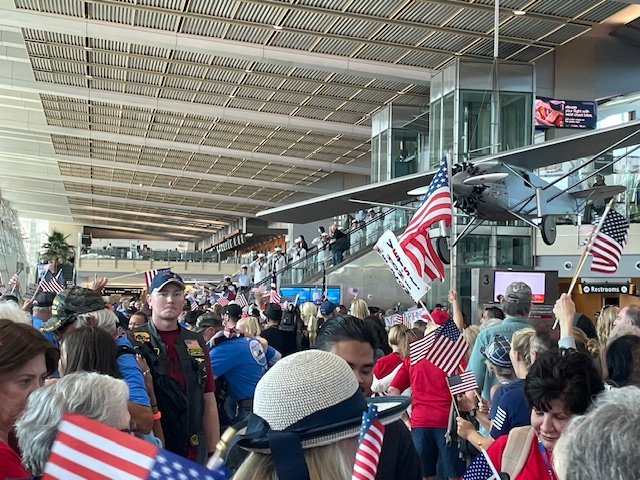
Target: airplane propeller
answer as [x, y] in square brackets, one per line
[482, 179]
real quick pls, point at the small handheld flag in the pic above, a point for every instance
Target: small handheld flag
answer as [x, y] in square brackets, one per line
[369, 445]
[51, 284]
[353, 292]
[462, 383]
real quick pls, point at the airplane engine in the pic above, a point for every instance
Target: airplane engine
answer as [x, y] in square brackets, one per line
[467, 197]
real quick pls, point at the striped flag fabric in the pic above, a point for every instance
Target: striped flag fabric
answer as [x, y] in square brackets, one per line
[448, 347]
[241, 300]
[274, 295]
[353, 292]
[222, 301]
[51, 284]
[14, 280]
[461, 383]
[418, 349]
[369, 445]
[609, 241]
[149, 274]
[481, 468]
[87, 449]
[415, 241]
[194, 305]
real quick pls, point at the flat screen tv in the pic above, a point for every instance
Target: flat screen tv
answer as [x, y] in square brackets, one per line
[306, 294]
[536, 280]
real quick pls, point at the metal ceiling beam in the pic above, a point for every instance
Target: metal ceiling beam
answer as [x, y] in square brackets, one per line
[400, 23]
[15, 18]
[156, 170]
[30, 187]
[249, 116]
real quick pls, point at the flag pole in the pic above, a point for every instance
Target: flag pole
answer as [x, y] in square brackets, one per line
[586, 250]
[452, 230]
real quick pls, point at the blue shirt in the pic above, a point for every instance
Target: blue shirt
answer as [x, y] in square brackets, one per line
[132, 375]
[37, 324]
[513, 410]
[243, 362]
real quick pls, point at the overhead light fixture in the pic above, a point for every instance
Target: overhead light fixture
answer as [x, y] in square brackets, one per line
[458, 54]
[519, 12]
[248, 70]
[88, 48]
[278, 27]
[232, 96]
[89, 77]
[140, 185]
[336, 139]
[399, 92]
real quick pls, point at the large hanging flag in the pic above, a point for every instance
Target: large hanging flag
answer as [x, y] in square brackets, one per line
[87, 449]
[609, 241]
[49, 283]
[415, 241]
[369, 445]
[149, 274]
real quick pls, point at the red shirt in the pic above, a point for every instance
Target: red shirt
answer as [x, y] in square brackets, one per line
[431, 399]
[387, 364]
[10, 464]
[174, 366]
[534, 468]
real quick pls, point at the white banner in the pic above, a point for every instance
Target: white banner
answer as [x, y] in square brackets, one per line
[402, 268]
[410, 315]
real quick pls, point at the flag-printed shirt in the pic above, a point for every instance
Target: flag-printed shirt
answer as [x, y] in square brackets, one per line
[430, 397]
[533, 469]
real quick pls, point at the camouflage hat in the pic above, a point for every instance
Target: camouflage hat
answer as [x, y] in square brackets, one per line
[70, 302]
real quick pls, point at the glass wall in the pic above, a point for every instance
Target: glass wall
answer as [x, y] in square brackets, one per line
[514, 251]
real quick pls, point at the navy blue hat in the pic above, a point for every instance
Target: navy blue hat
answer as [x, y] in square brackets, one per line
[327, 307]
[164, 278]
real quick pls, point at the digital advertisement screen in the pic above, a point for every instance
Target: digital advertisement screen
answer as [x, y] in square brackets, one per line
[535, 280]
[553, 113]
[306, 293]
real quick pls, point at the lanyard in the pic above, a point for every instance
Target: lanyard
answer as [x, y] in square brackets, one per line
[545, 459]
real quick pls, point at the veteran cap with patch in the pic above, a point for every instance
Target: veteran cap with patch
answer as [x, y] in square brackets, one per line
[71, 302]
[164, 278]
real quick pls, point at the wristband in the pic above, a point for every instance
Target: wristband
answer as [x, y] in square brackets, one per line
[157, 416]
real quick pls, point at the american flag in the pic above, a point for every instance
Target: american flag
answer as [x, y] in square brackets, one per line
[369, 445]
[241, 300]
[149, 274]
[14, 280]
[222, 300]
[274, 296]
[415, 241]
[51, 284]
[609, 242]
[418, 349]
[86, 449]
[448, 347]
[353, 292]
[462, 382]
[194, 305]
[481, 468]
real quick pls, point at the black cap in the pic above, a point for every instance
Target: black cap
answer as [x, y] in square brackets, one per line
[233, 310]
[192, 316]
[44, 299]
[273, 312]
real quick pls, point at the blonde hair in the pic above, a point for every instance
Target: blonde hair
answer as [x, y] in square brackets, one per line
[410, 335]
[309, 313]
[585, 344]
[604, 324]
[328, 461]
[250, 326]
[470, 334]
[396, 334]
[359, 309]
[520, 343]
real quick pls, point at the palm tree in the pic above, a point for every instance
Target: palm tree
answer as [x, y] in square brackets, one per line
[57, 251]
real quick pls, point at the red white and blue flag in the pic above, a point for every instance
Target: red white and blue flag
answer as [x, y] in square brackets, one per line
[609, 241]
[241, 300]
[448, 347]
[274, 295]
[415, 241]
[87, 449]
[149, 274]
[222, 300]
[353, 292]
[49, 283]
[369, 445]
[462, 383]
[14, 280]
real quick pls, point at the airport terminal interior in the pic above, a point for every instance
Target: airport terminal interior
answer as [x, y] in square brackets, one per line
[197, 134]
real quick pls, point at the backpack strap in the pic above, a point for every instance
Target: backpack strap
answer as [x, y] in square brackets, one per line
[124, 349]
[517, 450]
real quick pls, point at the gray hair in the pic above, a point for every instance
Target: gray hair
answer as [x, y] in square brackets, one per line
[11, 311]
[632, 313]
[610, 432]
[620, 331]
[491, 322]
[93, 395]
[104, 319]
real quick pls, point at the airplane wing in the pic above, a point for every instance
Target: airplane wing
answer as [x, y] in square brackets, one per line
[598, 193]
[531, 157]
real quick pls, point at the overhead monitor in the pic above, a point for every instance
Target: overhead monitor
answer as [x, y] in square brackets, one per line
[535, 280]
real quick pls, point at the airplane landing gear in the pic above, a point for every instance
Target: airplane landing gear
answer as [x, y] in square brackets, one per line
[548, 230]
[442, 249]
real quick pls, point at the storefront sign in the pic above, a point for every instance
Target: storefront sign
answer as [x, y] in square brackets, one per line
[624, 288]
[121, 291]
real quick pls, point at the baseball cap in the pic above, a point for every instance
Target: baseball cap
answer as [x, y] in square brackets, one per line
[164, 278]
[497, 351]
[277, 249]
[518, 292]
[233, 310]
[208, 320]
[44, 299]
[327, 307]
[439, 316]
[71, 302]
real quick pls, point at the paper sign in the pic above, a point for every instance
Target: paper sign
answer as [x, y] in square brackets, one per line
[401, 267]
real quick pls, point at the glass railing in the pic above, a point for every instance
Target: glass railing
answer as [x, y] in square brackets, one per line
[359, 239]
[155, 255]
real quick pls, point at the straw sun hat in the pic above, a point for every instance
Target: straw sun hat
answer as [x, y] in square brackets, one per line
[310, 399]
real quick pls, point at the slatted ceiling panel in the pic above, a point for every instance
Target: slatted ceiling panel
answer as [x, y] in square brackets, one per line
[293, 41]
[381, 53]
[530, 54]
[473, 20]
[527, 27]
[602, 11]
[343, 48]
[107, 13]
[565, 33]
[446, 41]
[344, 117]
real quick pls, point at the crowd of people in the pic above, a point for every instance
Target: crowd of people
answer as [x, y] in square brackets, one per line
[294, 382]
